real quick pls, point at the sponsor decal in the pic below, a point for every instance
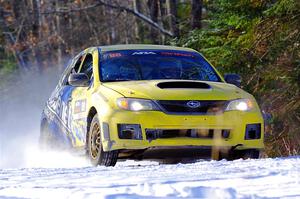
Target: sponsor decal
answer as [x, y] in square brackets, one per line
[78, 130]
[80, 106]
[113, 55]
[177, 54]
[144, 53]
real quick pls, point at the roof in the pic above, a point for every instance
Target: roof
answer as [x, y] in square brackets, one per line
[142, 46]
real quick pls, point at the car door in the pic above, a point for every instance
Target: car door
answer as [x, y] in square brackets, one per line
[79, 103]
[55, 107]
[64, 100]
[51, 109]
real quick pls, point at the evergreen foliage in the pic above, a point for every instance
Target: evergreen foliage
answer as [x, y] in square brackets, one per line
[7, 61]
[260, 40]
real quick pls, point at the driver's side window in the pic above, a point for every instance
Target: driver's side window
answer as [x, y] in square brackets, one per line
[87, 66]
[76, 67]
[73, 69]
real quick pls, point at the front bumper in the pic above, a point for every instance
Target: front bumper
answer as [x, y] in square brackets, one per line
[235, 121]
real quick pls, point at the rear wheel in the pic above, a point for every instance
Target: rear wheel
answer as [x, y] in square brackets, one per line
[95, 150]
[47, 140]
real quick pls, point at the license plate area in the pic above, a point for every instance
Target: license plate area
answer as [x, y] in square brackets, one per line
[153, 134]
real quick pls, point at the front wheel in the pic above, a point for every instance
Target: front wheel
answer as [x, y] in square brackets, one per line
[94, 147]
[244, 154]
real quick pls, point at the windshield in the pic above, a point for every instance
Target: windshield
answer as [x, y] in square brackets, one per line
[132, 65]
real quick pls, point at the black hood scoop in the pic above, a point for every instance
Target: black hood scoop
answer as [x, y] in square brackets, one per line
[183, 84]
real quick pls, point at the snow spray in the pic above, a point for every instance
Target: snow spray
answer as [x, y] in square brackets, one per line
[21, 103]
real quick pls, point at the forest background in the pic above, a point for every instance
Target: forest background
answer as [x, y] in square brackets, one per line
[257, 39]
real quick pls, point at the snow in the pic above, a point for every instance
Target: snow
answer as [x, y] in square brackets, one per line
[263, 178]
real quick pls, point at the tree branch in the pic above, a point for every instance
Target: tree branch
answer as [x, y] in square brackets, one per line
[115, 7]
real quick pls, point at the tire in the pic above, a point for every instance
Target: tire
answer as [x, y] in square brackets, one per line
[244, 154]
[251, 153]
[94, 146]
[46, 140]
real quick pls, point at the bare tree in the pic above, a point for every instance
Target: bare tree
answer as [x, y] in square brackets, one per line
[139, 29]
[35, 33]
[172, 11]
[45, 32]
[153, 8]
[196, 13]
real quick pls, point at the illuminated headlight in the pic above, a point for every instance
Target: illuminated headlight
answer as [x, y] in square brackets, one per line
[240, 105]
[133, 104]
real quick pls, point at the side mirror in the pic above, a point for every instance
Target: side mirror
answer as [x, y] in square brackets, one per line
[78, 79]
[233, 79]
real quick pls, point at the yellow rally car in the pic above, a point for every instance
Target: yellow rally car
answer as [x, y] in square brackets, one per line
[150, 101]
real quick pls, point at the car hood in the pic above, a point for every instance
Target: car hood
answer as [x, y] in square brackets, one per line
[176, 90]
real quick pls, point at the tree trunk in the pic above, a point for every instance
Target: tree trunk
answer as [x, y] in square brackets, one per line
[36, 18]
[196, 13]
[162, 18]
[35, 34]
[127, 34]
[139, 30]
[153, 8]
[21, 38]
[107, 38]
[172, 11]
[58, 32]
[112, 27]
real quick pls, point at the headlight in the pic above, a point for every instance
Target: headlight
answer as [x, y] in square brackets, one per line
[240, 105]
[136, 104]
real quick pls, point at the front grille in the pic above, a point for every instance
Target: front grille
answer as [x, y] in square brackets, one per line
[153, 134]
[182, 107]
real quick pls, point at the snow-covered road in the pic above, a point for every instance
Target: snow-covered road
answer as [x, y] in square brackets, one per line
[278, 177]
